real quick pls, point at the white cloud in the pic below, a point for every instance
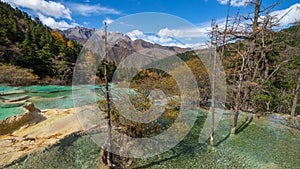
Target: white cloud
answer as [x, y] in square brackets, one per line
[289, 15]
[188, 45]
[236, 3]
[184, 33]
[152, 38]
[48, 8]
[135, 34]
[284, 18]
[160, 40]
[49, 21]
[167, 37]
[164, 40]
[87, 10]
[202, 45]
[108, 21]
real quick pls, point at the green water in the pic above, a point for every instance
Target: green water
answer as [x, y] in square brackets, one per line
[43, 97]
[5, 88]
[8, 112]
[70, 153]
[45, 89]
[260, 144]
[51, 97]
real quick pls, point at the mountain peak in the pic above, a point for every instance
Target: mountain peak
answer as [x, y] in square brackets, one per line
[79, 34]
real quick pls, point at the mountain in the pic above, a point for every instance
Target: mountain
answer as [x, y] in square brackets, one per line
[120, 46]
[79, 34]
[82, 34]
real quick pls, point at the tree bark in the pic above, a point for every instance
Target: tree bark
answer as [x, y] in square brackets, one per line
[295, 101]
[247, 92]
[238, 95]
[237, 104]
[255, 19]
[108, 109]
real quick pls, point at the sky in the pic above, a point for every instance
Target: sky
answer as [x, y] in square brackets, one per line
[183, 23]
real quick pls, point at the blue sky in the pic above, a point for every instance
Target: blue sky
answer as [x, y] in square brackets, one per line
[64, 14]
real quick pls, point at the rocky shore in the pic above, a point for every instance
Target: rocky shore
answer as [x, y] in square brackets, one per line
[35, 130]
[30, 116]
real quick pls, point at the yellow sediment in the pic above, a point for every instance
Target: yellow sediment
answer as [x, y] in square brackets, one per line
[58, 124]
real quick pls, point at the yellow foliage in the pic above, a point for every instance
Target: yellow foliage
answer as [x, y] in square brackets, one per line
[58, 36]
[171, 115]
[70, 44]
[252, 83]
[197, 67]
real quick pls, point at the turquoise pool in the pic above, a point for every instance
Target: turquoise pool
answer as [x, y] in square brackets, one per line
[43, 97]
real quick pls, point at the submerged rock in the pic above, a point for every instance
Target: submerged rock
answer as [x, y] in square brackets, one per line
[12, 123]
[31, 108]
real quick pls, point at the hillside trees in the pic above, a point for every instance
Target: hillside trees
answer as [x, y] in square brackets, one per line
[27, 43]
[252, 63]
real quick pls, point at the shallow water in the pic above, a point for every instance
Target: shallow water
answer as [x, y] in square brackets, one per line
[43, 97]
[9, 112]
[53, 97]
[73, 152]
[259, 143]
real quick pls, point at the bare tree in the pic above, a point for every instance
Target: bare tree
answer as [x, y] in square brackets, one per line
[108, 106]
[296, 95]
[251, 35]
[238, 97]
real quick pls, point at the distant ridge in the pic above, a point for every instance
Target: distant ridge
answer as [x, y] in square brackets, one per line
[79, 34]
[123, 45]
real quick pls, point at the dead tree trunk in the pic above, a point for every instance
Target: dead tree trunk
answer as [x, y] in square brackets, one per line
[238, 97]
[295, 101]
[108, 109]
[256, 16]
[250, 73]
[237, 104]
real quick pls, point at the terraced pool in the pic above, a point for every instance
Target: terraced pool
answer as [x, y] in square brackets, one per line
[43, 97]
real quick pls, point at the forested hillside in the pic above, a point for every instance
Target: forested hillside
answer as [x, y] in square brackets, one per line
[273, 89]
[270, 76]
[26, 42]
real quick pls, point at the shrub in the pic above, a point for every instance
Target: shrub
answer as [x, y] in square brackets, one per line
[16, 76]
